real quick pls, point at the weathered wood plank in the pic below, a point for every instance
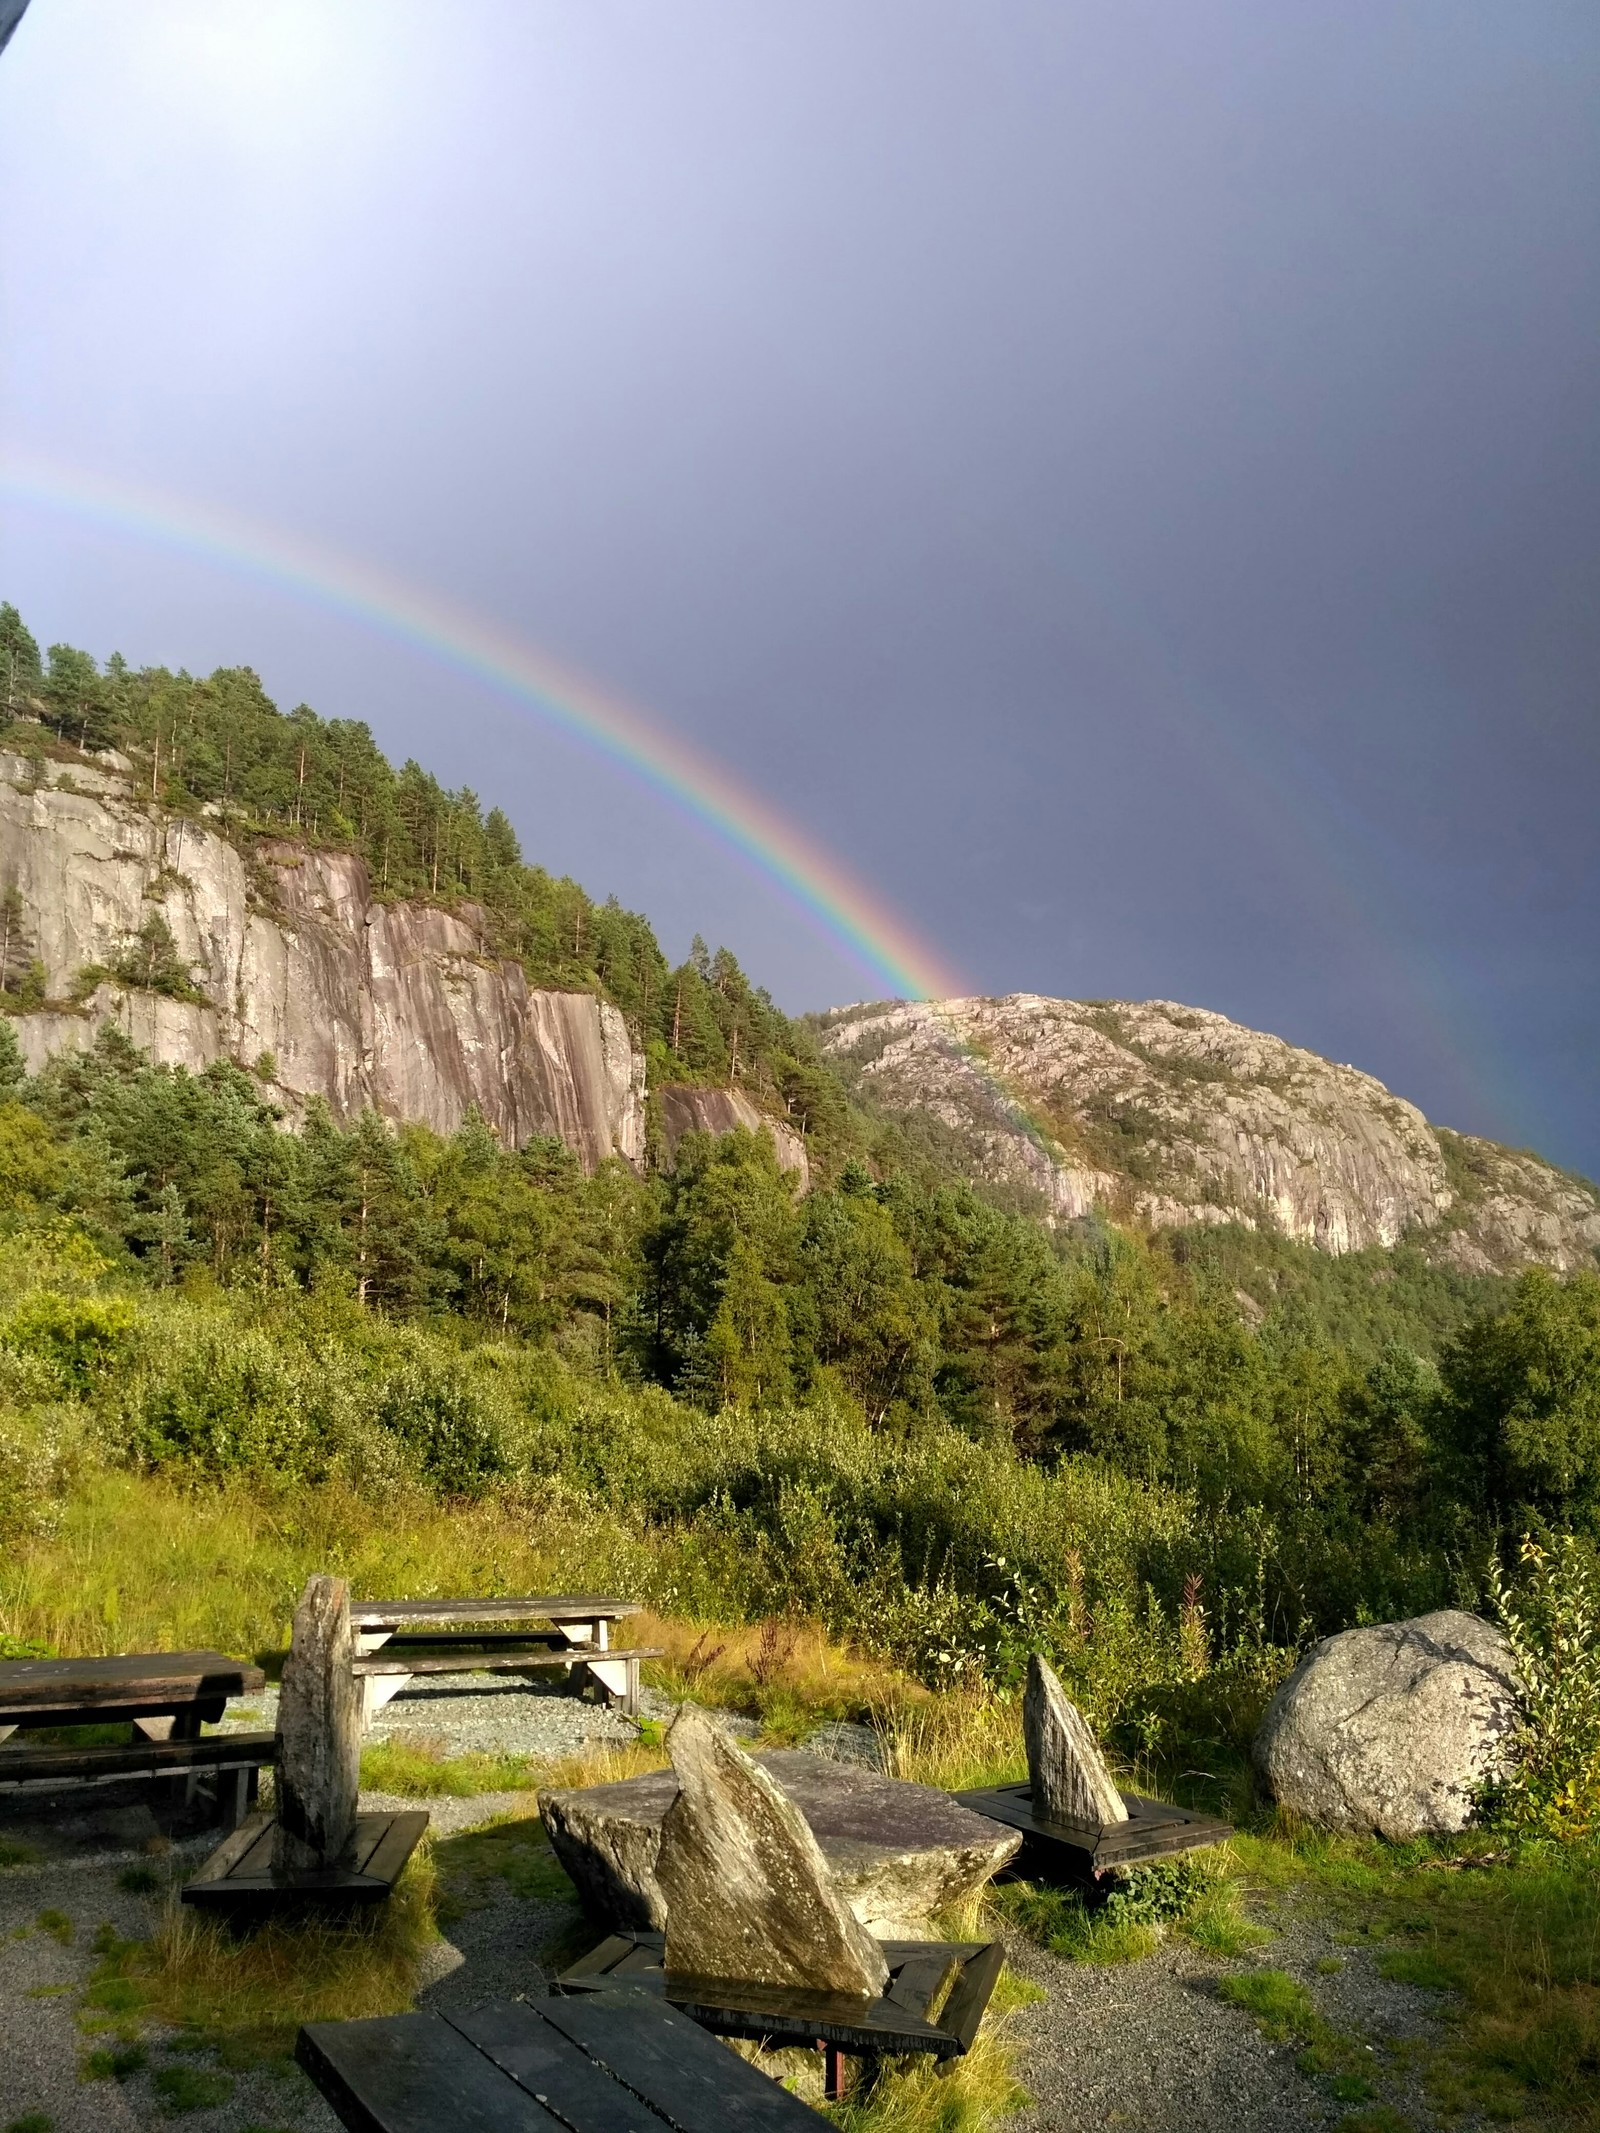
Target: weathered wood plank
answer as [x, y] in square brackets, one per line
[415, 2074]
[554, 2070]
[970, 1995]
[557, 1607]
[385, 1860]
[233, 1850]
[863, 2028]
[104, 1761]
[599, 1962]
[918, 1982]
[696, 2084]
[1154, 1829]
[238, 1877]
[130, 1683]
[523, 1662]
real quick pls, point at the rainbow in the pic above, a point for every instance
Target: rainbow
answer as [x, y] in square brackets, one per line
[811, 878]
[814, 880]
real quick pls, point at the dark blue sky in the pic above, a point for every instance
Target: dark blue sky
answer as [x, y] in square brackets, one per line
[1126, 476]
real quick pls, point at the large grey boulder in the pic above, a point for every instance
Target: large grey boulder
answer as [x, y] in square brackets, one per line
[1391, 1730]
[1067, 1775]
[319, 1733]
[897, 1853]
[747, 1890]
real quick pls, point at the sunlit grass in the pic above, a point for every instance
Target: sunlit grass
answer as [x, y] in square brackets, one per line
[1510, 1943]
[248, 1993]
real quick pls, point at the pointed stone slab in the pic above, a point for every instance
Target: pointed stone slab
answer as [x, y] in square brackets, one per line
[1066, 1771]
[747, 1889]
[319, 1734]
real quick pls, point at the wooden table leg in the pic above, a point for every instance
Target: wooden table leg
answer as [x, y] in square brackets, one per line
[833, 2084]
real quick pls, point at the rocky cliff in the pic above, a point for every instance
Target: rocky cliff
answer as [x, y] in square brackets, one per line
[685, 1109]
[1172, 1115]
[300, 971]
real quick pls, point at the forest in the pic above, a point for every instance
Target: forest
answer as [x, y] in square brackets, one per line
[877, 1402]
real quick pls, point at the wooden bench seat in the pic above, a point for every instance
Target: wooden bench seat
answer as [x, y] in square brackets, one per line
[908, 2018]
[235, 1760]
[238, 1880]
[557, 1608]
[1065, 1852]
[615, 1673]
[518, 1662]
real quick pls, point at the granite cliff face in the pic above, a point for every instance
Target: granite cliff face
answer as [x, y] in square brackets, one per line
[1172, 1115]
[400, 1006]
[685, 1109]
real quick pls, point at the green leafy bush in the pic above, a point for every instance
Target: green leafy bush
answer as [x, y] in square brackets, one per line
[1552, 1622]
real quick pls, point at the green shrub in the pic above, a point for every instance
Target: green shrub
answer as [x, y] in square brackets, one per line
[83, 1339]
[1552, 1622]
[450, 1428]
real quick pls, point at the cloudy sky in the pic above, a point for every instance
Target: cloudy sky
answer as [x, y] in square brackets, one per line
[1125, 477]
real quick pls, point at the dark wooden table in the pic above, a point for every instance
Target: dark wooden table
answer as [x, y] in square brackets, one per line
[167, 1695]
[937, 1994]
[1080, 1851]
[566, 1632]
[610, 2062]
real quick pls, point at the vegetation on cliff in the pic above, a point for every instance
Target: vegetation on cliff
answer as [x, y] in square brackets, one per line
[222, 746]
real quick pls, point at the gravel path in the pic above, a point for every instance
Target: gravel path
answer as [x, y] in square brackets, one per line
[1151, 2046]
[476, 1713]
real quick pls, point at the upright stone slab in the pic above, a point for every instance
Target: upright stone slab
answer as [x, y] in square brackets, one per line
[319, 1733]
[1066, 1771]
[747, 1889]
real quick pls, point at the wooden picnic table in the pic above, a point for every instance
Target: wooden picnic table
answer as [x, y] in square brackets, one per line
[167, 1697]
[530, 1634]
[611, 2062]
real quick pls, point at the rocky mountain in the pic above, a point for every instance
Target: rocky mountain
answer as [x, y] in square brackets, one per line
[296, 969]
[1171, 1115]
[283, 960]
[278, 955]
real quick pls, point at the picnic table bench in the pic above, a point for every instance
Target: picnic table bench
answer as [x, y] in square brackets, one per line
[611, 2062]
[1055, 1851]
[935, 1999]
[166, 1696]
[568, 1632]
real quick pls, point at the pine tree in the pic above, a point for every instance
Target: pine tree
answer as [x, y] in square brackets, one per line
[19, 658]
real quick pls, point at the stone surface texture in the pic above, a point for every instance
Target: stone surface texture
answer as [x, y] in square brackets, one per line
[318, 1778]
[1227, 1125]
[1067, 1774]
[398, 1005]
[1388, 1730]
[690, 1110]
[747, 1889]
[898, 1853]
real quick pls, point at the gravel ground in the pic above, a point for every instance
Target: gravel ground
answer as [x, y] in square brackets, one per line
[1151, 2045]
[478, 1713]
[41, 2048]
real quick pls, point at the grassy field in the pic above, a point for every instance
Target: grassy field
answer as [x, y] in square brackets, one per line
[1507, 1935]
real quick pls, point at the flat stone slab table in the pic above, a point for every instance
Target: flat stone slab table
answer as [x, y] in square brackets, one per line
[898, 1853]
